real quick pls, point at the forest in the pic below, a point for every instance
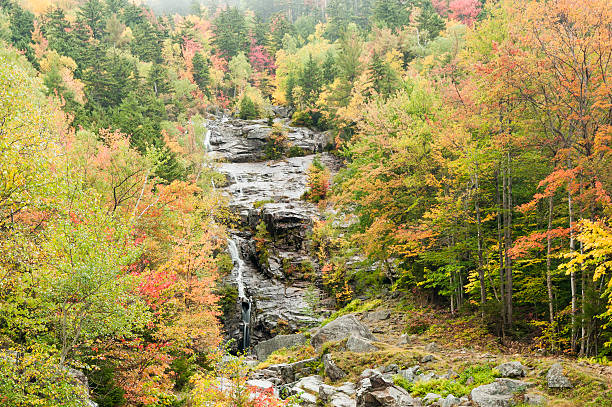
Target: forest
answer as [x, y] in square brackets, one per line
[474, 141]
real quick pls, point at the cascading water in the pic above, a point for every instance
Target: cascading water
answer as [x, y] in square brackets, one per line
[207, 145]
[245, 303]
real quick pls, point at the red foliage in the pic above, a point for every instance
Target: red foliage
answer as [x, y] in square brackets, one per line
[464, 11]
[260, 59]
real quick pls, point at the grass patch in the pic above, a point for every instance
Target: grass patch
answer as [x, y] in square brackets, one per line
[356, 306]
[259, 204]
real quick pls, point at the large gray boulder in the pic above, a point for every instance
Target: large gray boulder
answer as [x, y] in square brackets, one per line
[512, 369]
[339, 329]
[266, 348]
[500, 393]
[358, 344]
[556, 379]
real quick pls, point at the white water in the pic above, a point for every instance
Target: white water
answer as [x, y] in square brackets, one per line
[239, 264]
[207, 145]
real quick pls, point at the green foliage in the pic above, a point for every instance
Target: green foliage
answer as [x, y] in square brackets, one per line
[259, 204]
[228, 298]
[102, 378]
[230, 32]
[262, 240]
[248, 110]
[276, 146]
[225, 264]
[476, 374]
[32, 377]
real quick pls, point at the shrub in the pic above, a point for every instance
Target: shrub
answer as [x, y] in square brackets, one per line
[318, 177]
[248, 110]
[277, 143]
[310, 118]
[262, 238]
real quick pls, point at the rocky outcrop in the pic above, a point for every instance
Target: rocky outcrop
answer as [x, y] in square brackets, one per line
[512, 369]
[237, 140]
[358, 344]
[556, 379]
[286, 373]
[339, 329]
[265, 348]
[279, 283]
[377, 390]
[500, 393]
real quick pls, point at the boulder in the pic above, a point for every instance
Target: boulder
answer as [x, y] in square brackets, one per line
[404, 340]
[342, 400]
[556, 379]
[450, 401]
[431, 398]
[500, 393]
[427, 358]
[265, 348]
[379, 315]
[512, 369]
[378, 390]
[331, 369]
[341, 328]
[307, 389]
[358, 344]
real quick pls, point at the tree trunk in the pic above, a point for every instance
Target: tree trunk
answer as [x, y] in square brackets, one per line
[572, 273]
[507, 203]
[500, 212]
[481, 273]
[551, 314]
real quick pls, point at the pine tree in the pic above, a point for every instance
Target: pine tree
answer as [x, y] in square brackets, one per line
[231, 32]
[248, 110]
[201, 73]
[311, 80]
[92, 14]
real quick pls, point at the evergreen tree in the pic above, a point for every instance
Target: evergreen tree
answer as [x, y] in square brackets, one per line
[230, 32]
[330, 68]
[92, 14]
[383, 78]
[21, 27]
[311, 81]
[393, 14]
[146, 43]
[248, 110]
[158, 79]
[429, 21]
[201, 73]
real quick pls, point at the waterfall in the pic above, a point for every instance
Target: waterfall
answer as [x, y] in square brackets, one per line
[207, 145]
[245, 303]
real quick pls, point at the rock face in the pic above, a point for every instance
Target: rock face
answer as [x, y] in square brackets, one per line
[265, 348]
[500, 393]
[341, 328]
[512, 369]
[269, 192]
[556, 379]
[358, 344]
[245, 140]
